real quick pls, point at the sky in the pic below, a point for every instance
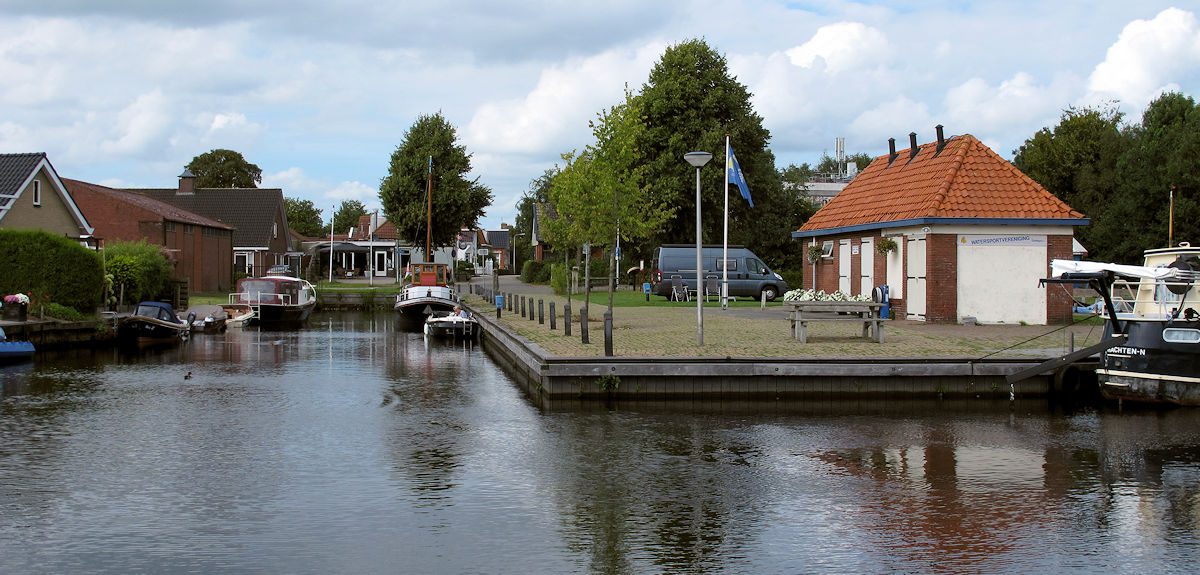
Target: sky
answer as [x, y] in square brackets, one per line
[319, 94]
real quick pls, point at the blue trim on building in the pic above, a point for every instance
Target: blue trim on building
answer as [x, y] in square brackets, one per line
[935, 221]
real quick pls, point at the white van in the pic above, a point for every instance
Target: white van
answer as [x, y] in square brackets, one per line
[748, 275]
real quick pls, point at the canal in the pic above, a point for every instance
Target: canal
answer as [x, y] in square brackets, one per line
[352, 447]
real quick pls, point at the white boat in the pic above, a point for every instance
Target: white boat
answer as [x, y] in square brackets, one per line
[427, 290]
[276, 300]
[451, 325]
[1155, 309]
[237, 315]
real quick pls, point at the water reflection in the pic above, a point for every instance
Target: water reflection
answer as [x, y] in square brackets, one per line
[353, 446]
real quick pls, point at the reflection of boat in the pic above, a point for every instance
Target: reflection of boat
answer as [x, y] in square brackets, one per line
[450, 325]
[153, 321]
[1158, 360]
[237, 314]
[276, 300]
[428, 291]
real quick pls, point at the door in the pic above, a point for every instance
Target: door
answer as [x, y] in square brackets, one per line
[914, 284]
[844, 266]
[381, 264]
[866, 272]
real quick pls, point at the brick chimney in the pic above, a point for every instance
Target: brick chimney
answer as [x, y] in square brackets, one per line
[187, 183]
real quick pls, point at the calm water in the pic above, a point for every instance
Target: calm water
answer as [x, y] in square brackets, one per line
[351, 447]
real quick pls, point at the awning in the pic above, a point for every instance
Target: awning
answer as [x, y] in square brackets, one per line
[339, 247]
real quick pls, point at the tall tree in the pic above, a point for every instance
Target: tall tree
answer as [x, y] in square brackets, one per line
[222, 168]
[304, 217]
[457, 201]
[690, 102]
[347, 215]
[537, 194]
[1161, 155]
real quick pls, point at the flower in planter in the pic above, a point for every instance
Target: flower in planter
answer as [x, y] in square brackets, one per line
[17, 298]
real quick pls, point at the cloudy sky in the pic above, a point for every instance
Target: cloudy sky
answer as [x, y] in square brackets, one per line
[318, 94]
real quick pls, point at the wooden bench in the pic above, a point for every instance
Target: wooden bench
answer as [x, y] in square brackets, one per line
[801, 313]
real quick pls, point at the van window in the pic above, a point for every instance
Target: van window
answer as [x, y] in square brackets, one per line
[731, 263]
[755, 266]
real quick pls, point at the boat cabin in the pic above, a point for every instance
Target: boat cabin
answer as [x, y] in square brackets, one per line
[430, 274]
[157, 310]
[272, 290]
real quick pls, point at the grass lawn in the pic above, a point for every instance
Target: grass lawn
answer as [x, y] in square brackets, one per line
[630, 298]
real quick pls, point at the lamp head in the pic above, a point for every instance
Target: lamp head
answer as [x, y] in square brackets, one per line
[697, 159]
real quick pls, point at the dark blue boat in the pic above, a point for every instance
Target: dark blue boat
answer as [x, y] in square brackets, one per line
[152, 321]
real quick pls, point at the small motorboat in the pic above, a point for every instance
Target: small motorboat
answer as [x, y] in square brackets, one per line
[14, 351]
[451, 325]
[237, 314]
[208, 319]
[153, 322]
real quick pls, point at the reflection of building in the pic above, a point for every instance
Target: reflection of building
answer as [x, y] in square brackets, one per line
[200, 249]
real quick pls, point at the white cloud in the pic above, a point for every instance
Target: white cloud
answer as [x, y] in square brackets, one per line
[555, 113]
[894, 118]
[1015, 103]
[1149, 56]
[141, 126]
[842, 47]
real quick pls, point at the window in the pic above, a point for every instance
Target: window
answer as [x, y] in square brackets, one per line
[274, 229]
[1181, 335]
[730, 263]
[169, 227]
[37, 192]
[827, 249]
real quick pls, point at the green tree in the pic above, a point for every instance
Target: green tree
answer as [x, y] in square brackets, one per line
[860, 160]
[537, 194]
[690, 102]
[1161, 155]
[1077, 162]
[430, 146]
[221, 168]
[347, 215]
[795, 181]
[139, 270]
[304, 217]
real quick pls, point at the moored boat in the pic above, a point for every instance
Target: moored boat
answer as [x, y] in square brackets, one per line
[276, 300]
[237, 315]
[208, 319]
[1157, 313]
[427, 291]
[451, 325]
[153, 322]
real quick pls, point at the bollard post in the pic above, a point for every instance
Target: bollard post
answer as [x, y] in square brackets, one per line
[552, 319]
[608, 333]
[567, 318]
[523, 301]
[583, 323]
[541, 312]
[508, 301]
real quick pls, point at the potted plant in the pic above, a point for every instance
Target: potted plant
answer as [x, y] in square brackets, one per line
[16, 307]
[814, 254]
[885, 245]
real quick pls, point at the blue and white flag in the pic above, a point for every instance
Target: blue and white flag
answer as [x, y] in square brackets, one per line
[735, 176]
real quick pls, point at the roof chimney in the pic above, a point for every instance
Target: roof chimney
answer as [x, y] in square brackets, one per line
[187, 183]
[941, 139]
[891, 150]
[912, 145]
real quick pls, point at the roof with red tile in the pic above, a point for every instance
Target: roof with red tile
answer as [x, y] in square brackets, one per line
[88, 192]
[966, 181]
[385, 231]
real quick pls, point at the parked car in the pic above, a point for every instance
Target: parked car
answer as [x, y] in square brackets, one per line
[748, 275]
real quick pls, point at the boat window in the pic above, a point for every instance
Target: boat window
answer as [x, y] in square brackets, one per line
[1181, 335]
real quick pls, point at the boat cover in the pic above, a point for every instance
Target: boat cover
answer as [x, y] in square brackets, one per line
[1059, 267]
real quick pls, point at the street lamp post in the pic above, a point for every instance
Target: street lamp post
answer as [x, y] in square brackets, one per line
[698, 159]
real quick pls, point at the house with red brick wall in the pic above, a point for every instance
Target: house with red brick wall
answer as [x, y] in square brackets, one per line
[972, 236]
[200, 249]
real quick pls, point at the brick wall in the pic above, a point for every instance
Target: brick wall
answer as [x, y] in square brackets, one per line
[1058, 301]
[941, 278]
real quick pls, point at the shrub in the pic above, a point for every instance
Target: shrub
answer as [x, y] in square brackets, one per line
[534, 272]
[558, 278]
[794, 278]
[60, 311]
[140, 271]
[50, 268]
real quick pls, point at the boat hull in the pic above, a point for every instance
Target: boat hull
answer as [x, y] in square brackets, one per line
[149, 330]
[452, 328]
[15, 351]
[1151, 368]
[282, 315]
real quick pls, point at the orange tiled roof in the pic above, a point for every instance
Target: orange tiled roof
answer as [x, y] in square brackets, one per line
[967, 180]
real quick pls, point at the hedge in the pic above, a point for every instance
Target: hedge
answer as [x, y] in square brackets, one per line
[50, 268]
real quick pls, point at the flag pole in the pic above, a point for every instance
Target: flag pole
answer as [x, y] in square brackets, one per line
[725, 236]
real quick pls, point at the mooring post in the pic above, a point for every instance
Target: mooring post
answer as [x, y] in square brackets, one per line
[567, 318]
[552, 318]
[541, 312]
[583, 323]
[608, 333]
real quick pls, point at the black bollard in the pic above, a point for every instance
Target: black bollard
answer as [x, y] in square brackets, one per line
[541, 313]
[567, 318]
[608, 334]
[583, 324]
[552, 318]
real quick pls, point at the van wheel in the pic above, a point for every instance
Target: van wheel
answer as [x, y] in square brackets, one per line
[769, 294]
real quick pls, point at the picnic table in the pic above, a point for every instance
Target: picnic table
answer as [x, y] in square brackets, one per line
[801, 313]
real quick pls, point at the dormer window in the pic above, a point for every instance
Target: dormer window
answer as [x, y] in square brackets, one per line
[37, 192]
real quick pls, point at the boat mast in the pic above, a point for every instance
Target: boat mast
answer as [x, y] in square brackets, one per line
[429, 212]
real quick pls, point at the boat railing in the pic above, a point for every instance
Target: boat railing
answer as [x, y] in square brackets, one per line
[259, 298]
[416, 291]
[1149, 298]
